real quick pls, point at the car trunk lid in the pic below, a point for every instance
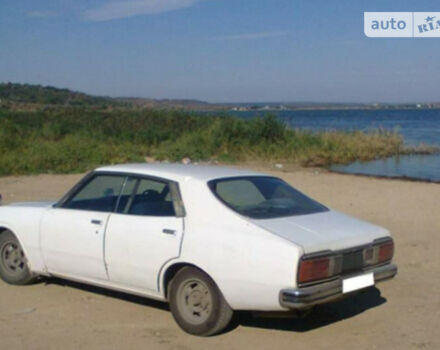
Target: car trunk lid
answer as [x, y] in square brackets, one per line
[329, 230]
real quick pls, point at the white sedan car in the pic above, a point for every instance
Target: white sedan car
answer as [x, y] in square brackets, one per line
[209, 240]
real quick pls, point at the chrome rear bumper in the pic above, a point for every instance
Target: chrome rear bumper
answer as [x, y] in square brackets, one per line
[305, 297]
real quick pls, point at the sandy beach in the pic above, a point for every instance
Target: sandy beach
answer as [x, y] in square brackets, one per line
[400, 314]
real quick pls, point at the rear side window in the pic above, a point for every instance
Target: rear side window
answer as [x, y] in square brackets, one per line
[151, 198]
[101, 193]
[126, 193]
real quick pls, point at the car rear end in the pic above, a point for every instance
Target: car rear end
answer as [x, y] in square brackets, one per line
[339, 254]
[327, 276]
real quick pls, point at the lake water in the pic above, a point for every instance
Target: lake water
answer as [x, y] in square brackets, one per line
[421, 126]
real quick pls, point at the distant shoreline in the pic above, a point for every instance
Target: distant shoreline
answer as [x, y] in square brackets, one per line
[311, 108]
[385, 177]
[15, 96]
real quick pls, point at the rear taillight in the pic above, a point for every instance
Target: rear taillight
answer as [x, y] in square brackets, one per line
[379, 253]
[313, 269]
[386, 251]
[319, 268]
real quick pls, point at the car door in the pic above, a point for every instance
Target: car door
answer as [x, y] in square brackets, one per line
[144, 234]
[72, 233]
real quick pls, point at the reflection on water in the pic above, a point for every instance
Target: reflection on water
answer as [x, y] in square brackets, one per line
[425, 167]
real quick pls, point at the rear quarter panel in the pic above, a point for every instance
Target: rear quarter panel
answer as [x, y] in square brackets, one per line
[249, 264]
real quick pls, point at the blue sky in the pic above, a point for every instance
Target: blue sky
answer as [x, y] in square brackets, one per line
[217, 50]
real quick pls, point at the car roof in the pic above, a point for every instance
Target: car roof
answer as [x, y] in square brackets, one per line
[180, 172]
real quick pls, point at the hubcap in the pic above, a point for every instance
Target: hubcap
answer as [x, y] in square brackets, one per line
[195, 301]
[12, 258]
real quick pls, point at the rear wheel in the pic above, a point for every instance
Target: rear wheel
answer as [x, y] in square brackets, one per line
[197, 304]
[13, 263]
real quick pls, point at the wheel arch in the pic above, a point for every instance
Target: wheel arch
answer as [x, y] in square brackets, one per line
[4, 228]
[171, 271]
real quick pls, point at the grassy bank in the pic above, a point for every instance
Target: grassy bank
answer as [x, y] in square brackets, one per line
[69, 140]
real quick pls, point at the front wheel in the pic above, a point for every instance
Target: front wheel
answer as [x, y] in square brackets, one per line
[197, 304]
[13, 263]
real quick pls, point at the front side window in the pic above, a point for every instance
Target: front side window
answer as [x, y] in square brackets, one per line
[260, 197]
[101, 193]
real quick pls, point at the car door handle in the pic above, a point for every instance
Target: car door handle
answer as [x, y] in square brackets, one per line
[168, 231]
[96, 222]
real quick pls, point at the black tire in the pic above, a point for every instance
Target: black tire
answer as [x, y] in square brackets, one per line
[197, 304]
[13, 263]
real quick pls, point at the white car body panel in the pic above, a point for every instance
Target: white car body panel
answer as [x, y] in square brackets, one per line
[71, 244]
[250, 260]
[136, 248]
[243, 259]
[329, 230]
[24, 220]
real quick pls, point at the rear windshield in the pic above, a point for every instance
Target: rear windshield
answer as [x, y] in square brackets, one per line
[260, 197]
